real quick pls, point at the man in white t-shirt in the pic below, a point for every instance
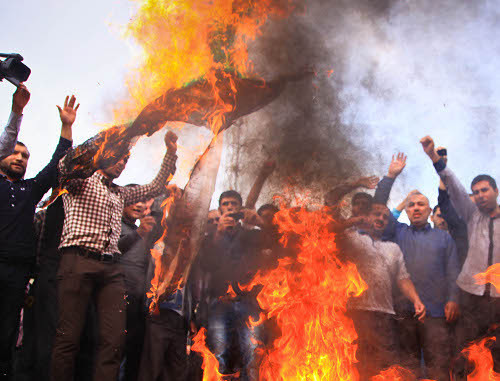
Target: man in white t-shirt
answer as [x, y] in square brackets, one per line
[381, 265]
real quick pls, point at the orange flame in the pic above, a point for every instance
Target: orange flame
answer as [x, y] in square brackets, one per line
[210, 364]
[479, 355]
[184, 40]
[491, 275]
[307, 297]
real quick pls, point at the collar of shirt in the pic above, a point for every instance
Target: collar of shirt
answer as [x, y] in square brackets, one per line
[105, 180]
[427, 227]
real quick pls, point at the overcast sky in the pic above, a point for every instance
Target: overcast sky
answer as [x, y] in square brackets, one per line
[435, 75]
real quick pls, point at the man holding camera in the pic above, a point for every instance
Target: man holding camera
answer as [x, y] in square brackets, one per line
[8, 138]
[93, 210]
[19, 198]
[228, 257]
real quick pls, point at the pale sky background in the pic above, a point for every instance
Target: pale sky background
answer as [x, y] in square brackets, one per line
[433, 75]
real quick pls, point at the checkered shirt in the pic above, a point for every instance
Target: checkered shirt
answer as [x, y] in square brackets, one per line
[93, 208]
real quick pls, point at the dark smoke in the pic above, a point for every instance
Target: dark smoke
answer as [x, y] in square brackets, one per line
[304, 130]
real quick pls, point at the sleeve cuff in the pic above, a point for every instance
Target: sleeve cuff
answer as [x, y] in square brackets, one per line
[440, 165]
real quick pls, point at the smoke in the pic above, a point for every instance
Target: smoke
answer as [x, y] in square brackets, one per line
[401, 70]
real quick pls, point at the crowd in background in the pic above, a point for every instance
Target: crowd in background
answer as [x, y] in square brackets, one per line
[75, 275]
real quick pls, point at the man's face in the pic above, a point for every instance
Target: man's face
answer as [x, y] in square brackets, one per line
[438, 220]
[418, 210]
[14, 166]
[135, 211]
[360, 207]
[116, 170]
[485, 196]
[267, 216]
[378, 218]
[213, 218]
[229, 205]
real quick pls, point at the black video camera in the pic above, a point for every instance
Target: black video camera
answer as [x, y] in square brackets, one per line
[237, 216]
[13, 70]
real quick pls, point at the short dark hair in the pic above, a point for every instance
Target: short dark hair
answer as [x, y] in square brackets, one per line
[21, 144]
[487, 178]
[435, 208]
[265, 207]
[378, 203]
[232, 194]
[361, 195]
[131, 185]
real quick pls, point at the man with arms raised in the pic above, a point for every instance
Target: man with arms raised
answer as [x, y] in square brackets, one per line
[431, 260]
[480, 303]
[93, 210]
[18, 201]
[381, 266]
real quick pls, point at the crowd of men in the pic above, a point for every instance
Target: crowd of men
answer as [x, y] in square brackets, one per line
[75, 274]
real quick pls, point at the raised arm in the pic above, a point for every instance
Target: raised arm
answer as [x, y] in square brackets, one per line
[8, 138]
[131, 195]
[334, 196]
[47, 177]
[458, 194]
[264, 173]
[384, 187]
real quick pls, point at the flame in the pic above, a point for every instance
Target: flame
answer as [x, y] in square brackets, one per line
[307, 297]
[491, 275]
[184, 40]
[479, 355]
[210, 364]
[395, 373]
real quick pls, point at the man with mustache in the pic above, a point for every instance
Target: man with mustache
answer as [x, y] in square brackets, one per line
[381, 265]
[432, 262]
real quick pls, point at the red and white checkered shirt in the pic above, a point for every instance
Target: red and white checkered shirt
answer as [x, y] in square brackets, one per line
[93, 207]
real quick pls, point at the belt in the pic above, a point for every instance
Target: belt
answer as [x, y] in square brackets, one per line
[96, 255]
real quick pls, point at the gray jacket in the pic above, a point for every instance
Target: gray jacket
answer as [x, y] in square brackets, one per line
[482, 230]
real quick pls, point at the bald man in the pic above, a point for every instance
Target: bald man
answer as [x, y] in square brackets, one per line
[432, 262]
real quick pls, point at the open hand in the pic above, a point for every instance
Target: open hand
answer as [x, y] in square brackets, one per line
[368, 182]
[68, 112]
[397, 165]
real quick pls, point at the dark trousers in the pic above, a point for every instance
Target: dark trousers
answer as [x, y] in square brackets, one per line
[377, 342]
[135, 336]
[233, 343]
[79, 279]
[46, 315]
[13, 281]
[433, 339]
[164, 355]
[479, 317]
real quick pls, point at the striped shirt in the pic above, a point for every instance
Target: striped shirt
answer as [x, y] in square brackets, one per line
[93, 207]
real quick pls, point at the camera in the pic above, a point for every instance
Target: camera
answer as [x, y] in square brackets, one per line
[237, 216]
[13, 70]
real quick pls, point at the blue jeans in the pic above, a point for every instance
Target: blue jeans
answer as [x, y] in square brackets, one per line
[231, 340]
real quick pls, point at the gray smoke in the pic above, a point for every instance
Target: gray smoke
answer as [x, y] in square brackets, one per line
[401, 70]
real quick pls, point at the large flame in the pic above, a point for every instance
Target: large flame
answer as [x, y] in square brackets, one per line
[307, 297]
[184, 40]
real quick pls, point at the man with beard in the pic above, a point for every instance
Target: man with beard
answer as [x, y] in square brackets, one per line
[480, 303]
[432, 262]
[381, 265]
[18, 200]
